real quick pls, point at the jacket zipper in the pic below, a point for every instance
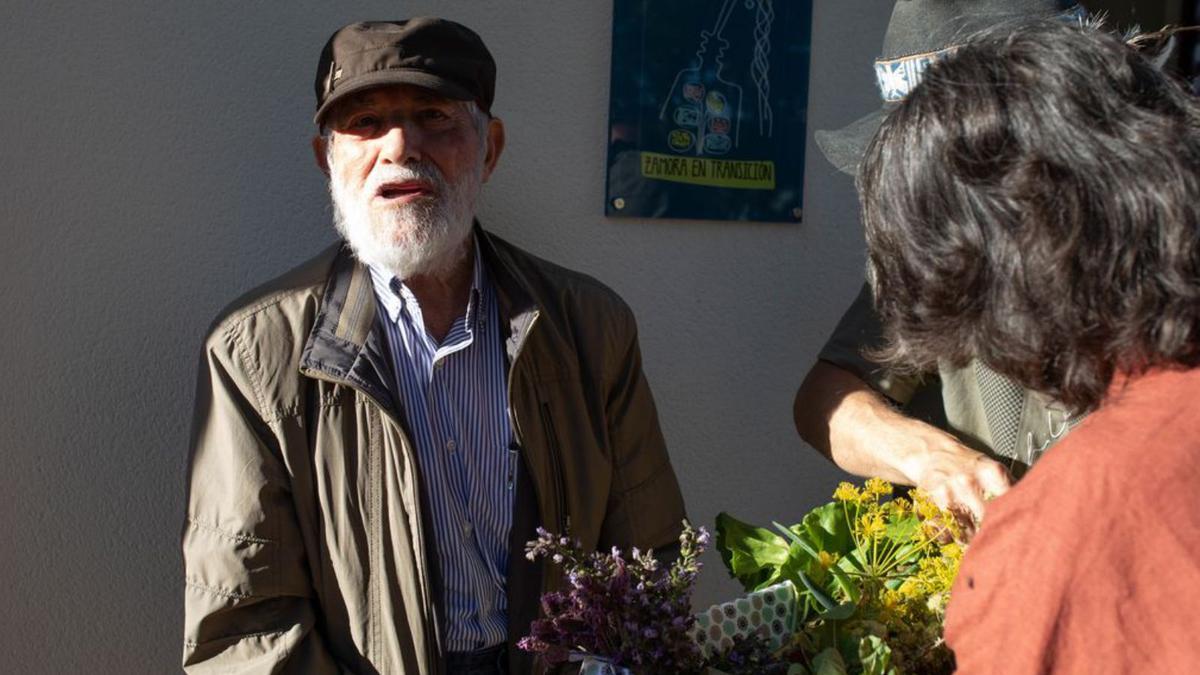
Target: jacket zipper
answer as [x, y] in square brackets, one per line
[514, 456]
[518, 436]
[376, 487]
[564, 518]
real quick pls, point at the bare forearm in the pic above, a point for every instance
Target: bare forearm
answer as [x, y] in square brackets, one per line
[854, 426]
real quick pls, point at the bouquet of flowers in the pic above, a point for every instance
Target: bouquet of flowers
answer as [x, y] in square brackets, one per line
[631, 613]
[873, 574]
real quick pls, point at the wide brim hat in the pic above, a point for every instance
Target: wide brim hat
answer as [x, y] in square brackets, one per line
[919, 33]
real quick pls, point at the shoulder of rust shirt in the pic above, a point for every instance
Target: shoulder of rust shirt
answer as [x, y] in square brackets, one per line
[1092, 563]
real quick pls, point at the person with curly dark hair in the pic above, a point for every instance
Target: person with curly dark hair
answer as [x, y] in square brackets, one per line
[959, 434]
[1035, 204]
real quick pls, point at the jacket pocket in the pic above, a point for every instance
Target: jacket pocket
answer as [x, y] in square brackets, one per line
[556, 470]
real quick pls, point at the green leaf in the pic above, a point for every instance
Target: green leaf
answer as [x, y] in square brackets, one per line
[827, 528]
[876, 656]
[797, 669]
[903, 529]
[840, 613]
[829, 662]
[826, 606]
[848, 586]
[909, 551]
[861, 559]
[806, 546]
[753, 555]
[818, 593]
[793, 571]
[853, 562]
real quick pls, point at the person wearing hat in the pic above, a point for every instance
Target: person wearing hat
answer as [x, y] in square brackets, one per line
[1035, 204]
[379, 431]
[847, 405]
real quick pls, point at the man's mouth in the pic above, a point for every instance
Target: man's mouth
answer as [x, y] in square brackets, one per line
[403, 191]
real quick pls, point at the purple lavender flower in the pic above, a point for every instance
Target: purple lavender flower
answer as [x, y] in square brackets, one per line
[631, 611]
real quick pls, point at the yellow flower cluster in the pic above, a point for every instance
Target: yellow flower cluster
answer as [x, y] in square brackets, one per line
[905, 561]
[871, 492]
[937, 524]
[847, 492]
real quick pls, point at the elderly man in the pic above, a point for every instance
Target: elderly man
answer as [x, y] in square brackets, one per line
[1035, 205]
[379, 431]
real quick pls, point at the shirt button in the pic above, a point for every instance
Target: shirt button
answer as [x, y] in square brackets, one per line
[467, 529]
[437, 365]
[451, 445]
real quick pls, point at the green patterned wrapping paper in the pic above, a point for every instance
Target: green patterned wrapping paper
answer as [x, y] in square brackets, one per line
[770, 612]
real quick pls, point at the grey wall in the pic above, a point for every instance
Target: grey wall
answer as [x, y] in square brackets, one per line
[156, 164]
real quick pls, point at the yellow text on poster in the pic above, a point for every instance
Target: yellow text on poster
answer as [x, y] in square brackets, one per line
[725, 173]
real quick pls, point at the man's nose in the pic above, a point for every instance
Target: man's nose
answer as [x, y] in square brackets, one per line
[400, 143]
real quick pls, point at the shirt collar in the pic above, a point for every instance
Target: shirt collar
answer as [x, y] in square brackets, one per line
[394, 295]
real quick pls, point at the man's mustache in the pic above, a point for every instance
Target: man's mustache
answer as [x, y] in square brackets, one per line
[415, 171]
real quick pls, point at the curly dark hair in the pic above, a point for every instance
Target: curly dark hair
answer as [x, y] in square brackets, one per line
[1035, 204]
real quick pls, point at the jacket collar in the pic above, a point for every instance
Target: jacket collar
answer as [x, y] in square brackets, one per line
[346, 344]
[518, 306]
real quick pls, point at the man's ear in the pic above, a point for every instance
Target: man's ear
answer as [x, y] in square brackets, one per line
[495, 146]
[320, 146]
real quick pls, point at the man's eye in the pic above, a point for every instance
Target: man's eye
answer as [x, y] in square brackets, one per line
[363, 122]
[434, 115]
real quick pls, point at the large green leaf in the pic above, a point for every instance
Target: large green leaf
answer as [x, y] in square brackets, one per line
[827, 603]
[794, 571]
[797, 563]
[797, 539]
[810, 563]
[827, 528]
[753, 555]
[854, 562]
[861, 560]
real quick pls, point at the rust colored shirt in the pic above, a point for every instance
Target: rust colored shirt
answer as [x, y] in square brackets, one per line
[1091, 564]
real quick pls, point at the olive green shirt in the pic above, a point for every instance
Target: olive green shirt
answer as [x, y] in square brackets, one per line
[984, 409]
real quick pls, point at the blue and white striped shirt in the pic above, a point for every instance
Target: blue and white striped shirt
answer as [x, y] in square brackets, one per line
[454, 399]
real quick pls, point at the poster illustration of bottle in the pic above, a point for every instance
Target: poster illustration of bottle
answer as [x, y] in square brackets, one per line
[707, 109]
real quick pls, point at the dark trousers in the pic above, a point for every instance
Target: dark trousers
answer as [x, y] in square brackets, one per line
[491, 661]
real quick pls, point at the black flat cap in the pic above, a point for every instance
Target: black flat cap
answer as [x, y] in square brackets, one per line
[436, 54]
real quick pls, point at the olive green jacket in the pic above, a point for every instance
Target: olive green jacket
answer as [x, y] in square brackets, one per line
[306, 544]
[984, 409]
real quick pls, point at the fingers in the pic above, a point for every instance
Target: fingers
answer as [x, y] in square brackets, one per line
[969, 498]
[957, 478]
[964, 490]
[947, 499]
[964, 499]
[992, 477]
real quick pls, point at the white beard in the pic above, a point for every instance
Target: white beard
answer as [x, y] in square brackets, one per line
[426, 237]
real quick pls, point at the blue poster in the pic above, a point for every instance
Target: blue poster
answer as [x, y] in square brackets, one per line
[707, 109]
